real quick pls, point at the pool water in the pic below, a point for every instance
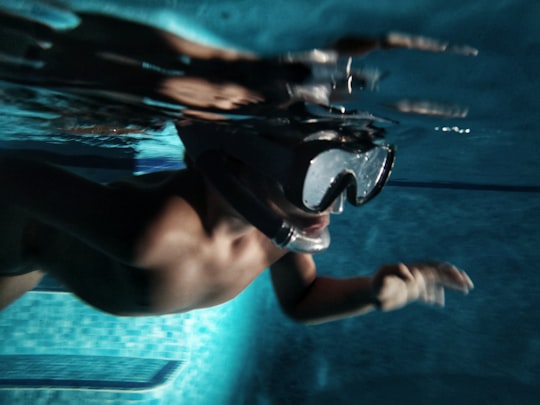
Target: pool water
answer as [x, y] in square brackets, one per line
[463, 190]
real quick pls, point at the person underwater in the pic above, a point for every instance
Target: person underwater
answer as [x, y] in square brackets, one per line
[257, 193]
[177, 241]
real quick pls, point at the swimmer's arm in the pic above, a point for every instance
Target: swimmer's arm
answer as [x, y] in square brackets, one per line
[308, 298]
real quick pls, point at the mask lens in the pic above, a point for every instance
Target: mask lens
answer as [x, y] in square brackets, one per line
[321, 175]
[326, 170]
[369, 172]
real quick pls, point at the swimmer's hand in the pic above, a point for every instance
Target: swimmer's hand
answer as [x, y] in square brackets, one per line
[395, 286]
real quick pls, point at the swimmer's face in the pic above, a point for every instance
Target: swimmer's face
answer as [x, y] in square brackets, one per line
[311, 223]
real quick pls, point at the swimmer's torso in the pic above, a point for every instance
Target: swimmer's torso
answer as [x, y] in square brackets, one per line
[200, 253]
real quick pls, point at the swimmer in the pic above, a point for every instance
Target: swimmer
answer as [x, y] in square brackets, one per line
[177, 241]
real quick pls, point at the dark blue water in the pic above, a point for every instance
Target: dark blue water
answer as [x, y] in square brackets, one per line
[464, 190]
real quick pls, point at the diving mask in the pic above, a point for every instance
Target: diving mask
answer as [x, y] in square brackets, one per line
[329, 171]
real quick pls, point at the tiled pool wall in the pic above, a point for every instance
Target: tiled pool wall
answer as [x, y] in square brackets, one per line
[203, 345]
[58, 323]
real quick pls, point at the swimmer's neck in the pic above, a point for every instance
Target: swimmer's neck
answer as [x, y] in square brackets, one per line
[220, 218]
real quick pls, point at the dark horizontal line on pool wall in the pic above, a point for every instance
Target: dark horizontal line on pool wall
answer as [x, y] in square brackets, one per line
[466, 186]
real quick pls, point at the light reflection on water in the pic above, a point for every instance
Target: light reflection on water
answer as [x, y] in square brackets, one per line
[97, 77]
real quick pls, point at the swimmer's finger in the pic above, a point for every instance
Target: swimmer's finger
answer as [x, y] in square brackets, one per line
[451, 277]
[445, 275]
[438, 296]
[405, 273]
[468, 280]
[420, 285]
[461, 282]
[399, 270]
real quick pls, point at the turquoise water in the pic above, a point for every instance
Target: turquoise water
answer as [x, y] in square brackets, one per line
[464, 190]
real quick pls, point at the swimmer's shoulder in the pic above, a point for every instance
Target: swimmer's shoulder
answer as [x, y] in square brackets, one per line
[187, 184]
[160, 180]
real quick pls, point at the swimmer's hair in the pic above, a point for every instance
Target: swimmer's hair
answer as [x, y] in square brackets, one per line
[190, 164]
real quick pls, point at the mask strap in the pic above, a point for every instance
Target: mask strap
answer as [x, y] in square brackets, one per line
[213, 165]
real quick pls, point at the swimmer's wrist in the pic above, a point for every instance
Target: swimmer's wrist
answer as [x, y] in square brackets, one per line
[376, 303]
[374, 297]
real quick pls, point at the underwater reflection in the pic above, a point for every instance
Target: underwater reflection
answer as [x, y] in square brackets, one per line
[125, 61]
